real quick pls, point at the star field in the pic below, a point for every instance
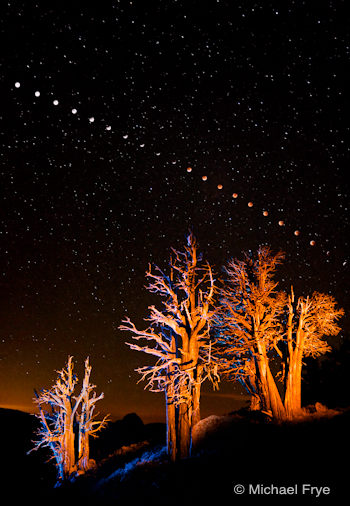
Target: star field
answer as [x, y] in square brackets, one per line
[105, 110]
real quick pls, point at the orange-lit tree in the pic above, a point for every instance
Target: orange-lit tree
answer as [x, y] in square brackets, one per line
[59, 412]
[309, 321]
[254, 322]
[178, 336]
[248, 327]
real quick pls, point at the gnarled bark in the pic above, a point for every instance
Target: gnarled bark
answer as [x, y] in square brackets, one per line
[179, 338]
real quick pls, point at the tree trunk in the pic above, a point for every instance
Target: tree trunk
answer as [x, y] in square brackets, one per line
[292, 400]
[288, 398]
[255, 404]
[293, 389]
[262, 386]
[84, 451]
[171, 427]
[267, 385]
[297, 385]
[69, 450]
[277, 408]
[184, 431]
[196, 414]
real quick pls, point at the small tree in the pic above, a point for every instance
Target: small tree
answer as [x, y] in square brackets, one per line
[88, 426]
[59, 413]
[179, 338]
[309, 321]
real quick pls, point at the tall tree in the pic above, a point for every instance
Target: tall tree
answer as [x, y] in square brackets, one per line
[178, 335]
[248, 327]
[60, 412]
[309, 321]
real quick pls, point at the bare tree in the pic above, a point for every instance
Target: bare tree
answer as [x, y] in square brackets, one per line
[178, 335]
[248, 327]
[59, 412]
[254, 322]
[309, 321]
[88, 425]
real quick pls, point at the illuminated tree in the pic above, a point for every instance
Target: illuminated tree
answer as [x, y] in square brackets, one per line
[254, 322]
[309, 321]
[178, 335]
[88, 426]
[248, 328]
[60, 412]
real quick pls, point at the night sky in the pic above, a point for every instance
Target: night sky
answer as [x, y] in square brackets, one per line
[105, 110]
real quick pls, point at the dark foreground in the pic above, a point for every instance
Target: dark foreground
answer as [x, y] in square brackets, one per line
[241, 449]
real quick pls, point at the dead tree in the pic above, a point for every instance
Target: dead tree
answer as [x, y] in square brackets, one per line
[88, 426]
[57, 427]
[60, 412]
[248, 328]
[178, 336]
[309, 321]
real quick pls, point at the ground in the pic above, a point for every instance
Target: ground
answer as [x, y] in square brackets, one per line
[241, 448]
